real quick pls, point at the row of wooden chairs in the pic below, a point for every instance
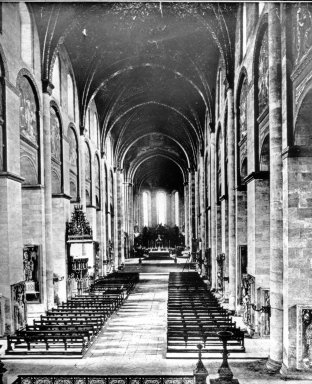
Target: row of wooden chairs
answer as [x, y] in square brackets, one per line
[72, 326]
[195, 316]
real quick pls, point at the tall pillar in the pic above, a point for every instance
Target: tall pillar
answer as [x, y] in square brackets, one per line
[186, 214]
[119, 225]
[196, 203]
[127, 212]
[202, 218]
[115, 215]
[82, 149]
[131, 215]
[192, 213]
[213, 220]
[173, 208]
[11, 232]
[231, 200]
[103, 229]
[47, 89]
[276, 204]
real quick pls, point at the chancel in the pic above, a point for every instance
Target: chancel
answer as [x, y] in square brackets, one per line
[155, 192]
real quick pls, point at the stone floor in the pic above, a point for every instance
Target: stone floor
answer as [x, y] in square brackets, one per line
[134, 341]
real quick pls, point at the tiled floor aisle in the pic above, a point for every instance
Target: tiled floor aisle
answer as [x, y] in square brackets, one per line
[139, 327]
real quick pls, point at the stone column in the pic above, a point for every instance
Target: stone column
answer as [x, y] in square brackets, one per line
[119, 241]
[47, 89]
[213, 220]
[196, 203]
[126, 210]
[276, 206]
[82, 148]
[186, 214]
[192, 213]
[202, 217]
[103, 229]
[115, 215]
[11, 226]
[131, 215]
[202, 201]
[231, 200]
[173, 208]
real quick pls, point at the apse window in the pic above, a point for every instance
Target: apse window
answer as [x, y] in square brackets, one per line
[176, 208]
[161, 204]
[145, 209]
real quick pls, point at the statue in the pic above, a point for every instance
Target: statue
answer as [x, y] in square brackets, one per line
[159, 242]
[308, 336]
[246, 305]
[28, 267]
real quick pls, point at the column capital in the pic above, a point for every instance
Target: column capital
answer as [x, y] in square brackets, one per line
[47, 86]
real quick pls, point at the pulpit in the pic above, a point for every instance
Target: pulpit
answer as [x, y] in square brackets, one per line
[82, 253]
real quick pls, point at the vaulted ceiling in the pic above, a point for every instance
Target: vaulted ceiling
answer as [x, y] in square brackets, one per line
[151, 69]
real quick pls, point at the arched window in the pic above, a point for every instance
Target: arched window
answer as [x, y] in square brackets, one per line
[73, 165]
[27, 50]
[97, 182]
[88, 174]
[56, 151]
[56, 79]
[161, 207]
[70, 96]
[29, 130]
[177, 209]
[145, 209]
